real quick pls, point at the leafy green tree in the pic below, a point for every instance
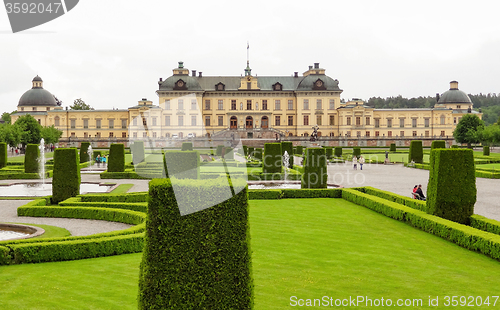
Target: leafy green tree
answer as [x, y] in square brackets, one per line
[51, 134]
[469, 130]
[6, 117]
[79, 104]
[30, 130]
[10, 134]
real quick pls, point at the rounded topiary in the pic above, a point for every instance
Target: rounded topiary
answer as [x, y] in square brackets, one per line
[137, 150]
[315, 169]
[486, 150]
[338, 151]
[187, 146]
[393, 147]
[66, 177]
[31, 158]
[356, 151]
[84, 155]
[116, 158]
[3, 154]
[438, 144]
[272, 160]
[288, 147]
[416, 152]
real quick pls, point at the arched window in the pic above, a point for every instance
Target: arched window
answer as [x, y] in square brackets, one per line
[56, 121]
[264, 122]
[443, 119]
[249, 122]
[233, 122]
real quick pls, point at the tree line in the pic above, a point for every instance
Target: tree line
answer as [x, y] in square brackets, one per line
[27, 130]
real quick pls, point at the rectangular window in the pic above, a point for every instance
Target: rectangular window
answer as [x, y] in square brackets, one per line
[454, 120]
[56, 121]
[277, 120]
[85, 134]
[264, 104]
[194, 104]
[348, 121]
[290, 120]
[167, 120]
[249, 85]
[85, 123]
[220, 105]
[97, 123]
[249, 104]
[98, 135]
[442, 133]
[389, 133]
[180, 104]
[193, 120]
[332, 120]
[414, 133]
[358, 121]
[111, 135]
[332, 104]
[154, 134]
[318, 120]
[290, 104]
[277, 104]
[401, 122]
[377, 122]
[319, 104]
[134, 121]
[124, 134]
[348, 134]
[443, 119]
[414, 122]
[167, 104]
[73, 135]
[73, 123]
[306, 120]
[367, 134]
[111, 123]
[144, 121]
[207, 120]
[377, 133]
[134, 134]
[144, 134]
[389, 123]
[207, 104]
[401, 133]
[306, 104]
[427, 133]
[154, 121]
[124, 123]
[180, 120]
[367, 121]
[220, 120]
[358, 133]
[426, 122]
[233, 104]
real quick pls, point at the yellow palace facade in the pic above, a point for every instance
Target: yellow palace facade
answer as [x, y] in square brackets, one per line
[248, 106]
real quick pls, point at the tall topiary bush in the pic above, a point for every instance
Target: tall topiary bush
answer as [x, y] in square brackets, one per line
[3, 154]
[329, 152]
[218, 152]
[187, 146]
[356, 151]
[201, 260]
[84, 155]
[228, 153]
[393, 147]
[245, 150]
[486, 150]
[338, 151]
[438, 144]
[451, 192]
[116, 158]
[66, 178]
[138, 153]
[315, 170]
[182, 164]
[257, 153]
[299, 150]
[288, 147]
[416, 152]
[31, 158]
[272, 160]
[250, 151]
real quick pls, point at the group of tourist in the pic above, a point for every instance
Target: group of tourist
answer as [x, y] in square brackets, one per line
[355, 162]
[418, 193]
[100, 160]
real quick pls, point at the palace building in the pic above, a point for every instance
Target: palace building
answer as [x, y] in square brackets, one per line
[249, 106]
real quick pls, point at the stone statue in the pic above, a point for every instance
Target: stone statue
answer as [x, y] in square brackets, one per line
[314, 135]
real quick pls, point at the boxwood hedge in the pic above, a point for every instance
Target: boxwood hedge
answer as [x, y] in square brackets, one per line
[356, 151]
[3, 154]
[228, 153]
[66, 176]
[329, 152]
[486, 150]
[272, 160]
[182, 164]
[31, 158]
[187, 146]
[197, 261]
[218, 152]
[116, 158]
[393, 147]
[299, 150]
[338, 151]
[84, 155]
[416, 152]
[315, 169]
[438, 144]
[137, 150]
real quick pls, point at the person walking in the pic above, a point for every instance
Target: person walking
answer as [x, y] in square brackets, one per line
[361, 162]
[355, 162]
[104, 159]
[98, 160]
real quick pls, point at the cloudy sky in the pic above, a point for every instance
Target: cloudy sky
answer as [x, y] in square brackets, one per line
[112, 53]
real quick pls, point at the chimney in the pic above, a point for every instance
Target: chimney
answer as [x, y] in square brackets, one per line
[161, 79]
[193, 73]
[316, 65]
[310, 67]
[453, 85]
[295, 74]
[200, 74]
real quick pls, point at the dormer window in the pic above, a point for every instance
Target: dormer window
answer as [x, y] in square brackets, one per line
[319, 85]
[458, 106]
[220, 87]
[277, 87]
[180, 85]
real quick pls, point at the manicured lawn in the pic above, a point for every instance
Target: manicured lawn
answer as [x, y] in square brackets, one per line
[50, 231]
[307, 248]
[489, 166]
[20, 159]
[394, 157]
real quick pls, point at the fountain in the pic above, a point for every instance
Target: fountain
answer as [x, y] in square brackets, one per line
[91, 155]
[41, 161]
[16, 231]
[286, 160]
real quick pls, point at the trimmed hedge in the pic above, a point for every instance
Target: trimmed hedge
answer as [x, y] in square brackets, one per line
[338, 151]
[128, 175]
[288, 147]
[315, 169]
[416, 152]
[329, 152]
[218, 152]
[84, 155]
[187, 146]
[299, 150]
[129, 197]
[182, 164]
[66, 175]
[134, 206]
[3, 158]
[451, 192]
[228, 153]
[486, 151]
[138, 154]
[272, 160]
[294, 193]
[392, 147]
[356, 151]
[250, 151]
[407, 201]
[438, 144]
[116, 158]
[198, 261]
[31, 164]
[245, 150]
[257, 153]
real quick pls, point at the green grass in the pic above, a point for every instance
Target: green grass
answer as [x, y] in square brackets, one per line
[307, 248]
[121, 189]
[20, 158]
[394, 157]
[50, 231]
[489, 166]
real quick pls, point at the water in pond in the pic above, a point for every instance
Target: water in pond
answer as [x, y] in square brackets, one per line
[11, 234]
[278, 186]
[40, 190]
